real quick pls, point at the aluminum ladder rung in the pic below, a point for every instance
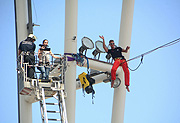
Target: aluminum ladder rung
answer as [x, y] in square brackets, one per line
[51, 103]
[54, 119]
[53, 111]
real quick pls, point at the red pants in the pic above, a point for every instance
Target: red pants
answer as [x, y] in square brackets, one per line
[116, 64]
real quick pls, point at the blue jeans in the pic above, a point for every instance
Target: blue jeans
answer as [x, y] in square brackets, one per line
[44, 72]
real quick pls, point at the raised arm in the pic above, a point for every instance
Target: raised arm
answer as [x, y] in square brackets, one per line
[104, 45]
[126, 50]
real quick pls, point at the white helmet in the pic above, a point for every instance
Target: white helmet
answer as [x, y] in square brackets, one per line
[32, 36]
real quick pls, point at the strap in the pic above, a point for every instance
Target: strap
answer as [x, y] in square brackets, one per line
[87, 66]
[83, 90]
[79, 59]
[93, 96]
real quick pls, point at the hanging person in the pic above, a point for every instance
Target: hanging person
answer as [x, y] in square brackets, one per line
[44, 63]
[119, 60]
[28, 47]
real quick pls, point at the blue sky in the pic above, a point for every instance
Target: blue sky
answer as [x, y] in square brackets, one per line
[154, 96]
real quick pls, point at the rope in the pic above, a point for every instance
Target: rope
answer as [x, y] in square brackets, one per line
[87, 65]
[93, 96]
[137, 66]
[162, 46]
[80, 59]
[142, 55]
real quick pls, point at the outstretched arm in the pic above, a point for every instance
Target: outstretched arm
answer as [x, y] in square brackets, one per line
[126, 50]
[104, 45]
[56, 57]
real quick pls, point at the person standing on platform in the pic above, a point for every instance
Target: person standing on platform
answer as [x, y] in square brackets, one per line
[27, 47]
[44, 63]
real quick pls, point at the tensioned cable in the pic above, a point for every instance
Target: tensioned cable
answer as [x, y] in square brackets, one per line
[162, 46]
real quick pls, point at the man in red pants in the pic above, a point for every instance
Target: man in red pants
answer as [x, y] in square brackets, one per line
[119, 60]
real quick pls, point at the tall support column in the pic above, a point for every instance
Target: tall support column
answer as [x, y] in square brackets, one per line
[70, 46]
[24, 108]
[30, 24]
[124, 40]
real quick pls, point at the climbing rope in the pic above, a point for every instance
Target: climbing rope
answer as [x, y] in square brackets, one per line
[87, 65]
[142, 55]
[162, 46]
[138, 65]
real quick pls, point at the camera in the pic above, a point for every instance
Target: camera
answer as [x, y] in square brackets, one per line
[46, 49]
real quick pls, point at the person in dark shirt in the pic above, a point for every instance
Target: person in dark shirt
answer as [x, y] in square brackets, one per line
[28, 44]
[119, 60]
[28, 47]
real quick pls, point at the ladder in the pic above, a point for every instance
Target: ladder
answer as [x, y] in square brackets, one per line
[60, 97]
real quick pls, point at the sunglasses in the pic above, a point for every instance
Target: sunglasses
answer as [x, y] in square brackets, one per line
[111, 43]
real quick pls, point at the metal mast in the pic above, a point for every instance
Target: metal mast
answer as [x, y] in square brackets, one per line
[24, 26]
[25, 108]
[124, 40]
[70, 46]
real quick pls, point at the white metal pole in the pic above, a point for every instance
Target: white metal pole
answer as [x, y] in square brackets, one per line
[124, 40]
[70, 46]
[21, 20]
[100, 66]
[25, 108]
